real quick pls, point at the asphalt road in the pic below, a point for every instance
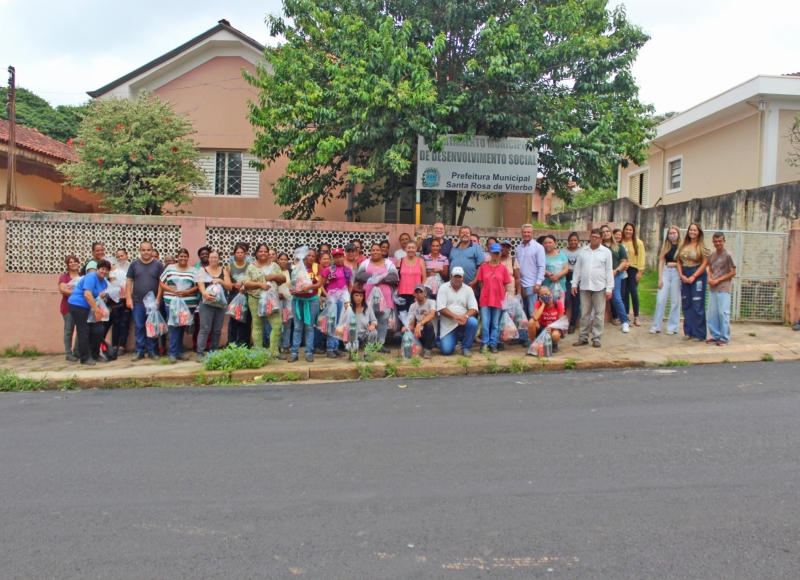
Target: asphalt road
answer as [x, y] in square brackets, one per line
[668, 473]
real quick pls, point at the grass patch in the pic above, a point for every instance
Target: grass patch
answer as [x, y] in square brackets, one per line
[414, 361]
[752, 334]
[372, 351]
[291, 377]
[766, 357]
[648, 289]
[569, 364]
[422, 375]
[11, 382]
[364, 371]
[276, 378]
[164, 360]
[391, 369]
[234, 358]
[726, 361]
[13, 351]
[70, 384]
[676, 363]
[517, 366]
[463, 361]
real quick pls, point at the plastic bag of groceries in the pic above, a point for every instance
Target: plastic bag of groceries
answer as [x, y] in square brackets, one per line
[432, 283]
[508, 329]
[347, 329]
[301, 281]
[114, 292]
[150, 302]
[542, 346]
[237, 308]
[397, 299]
[561, 324]
[179, 313]
[287, 309]
[410, 346]
[376, 300]
[513, 306]
[215, 291]
[340, 295]
[155, 325]
[269, 302]
[391, 322]
[326, 323]
[103, 309]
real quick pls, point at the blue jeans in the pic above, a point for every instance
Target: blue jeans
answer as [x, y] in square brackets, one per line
[528, 304]
[176, 337]
[719, 315]
[466, 334]
[490, 317]
[286, 336]
[617, 306]
[144, 343]
[301, 329]
[694, 304]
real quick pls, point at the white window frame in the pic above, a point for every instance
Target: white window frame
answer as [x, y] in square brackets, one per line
[634, 174]
[250, 180]
[668, 174]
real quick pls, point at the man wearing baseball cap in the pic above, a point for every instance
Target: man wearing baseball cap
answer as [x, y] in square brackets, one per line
[458, 310]
[422, 319]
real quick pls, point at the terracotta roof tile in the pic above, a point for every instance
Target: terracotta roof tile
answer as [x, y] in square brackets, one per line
[34, 141]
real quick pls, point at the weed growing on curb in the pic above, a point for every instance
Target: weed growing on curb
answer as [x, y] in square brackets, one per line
[13, 352]
[234, 358]
[364, 371]
[422, 375]
[517, 366]
[463, 361]
[414, 361]
[371, 351]
[10, 382]
[485, 351]
[569, 364]
[766, 357]
[726, 361]
[354, 355]
[70, 384]
[163, 361]
[391, 370]
[291, 376]
[676, 363]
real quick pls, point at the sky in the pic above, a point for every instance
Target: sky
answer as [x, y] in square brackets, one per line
[698, 48]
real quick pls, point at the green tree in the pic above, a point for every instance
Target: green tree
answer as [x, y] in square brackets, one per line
[137, 154]
[794, 142]
[345, 96]
[34, 112]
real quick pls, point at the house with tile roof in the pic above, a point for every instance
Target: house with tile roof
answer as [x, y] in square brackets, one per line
[735, 140]
[39, 185]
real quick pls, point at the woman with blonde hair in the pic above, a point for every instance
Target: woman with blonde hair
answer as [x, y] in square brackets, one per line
[669, 284]
[692, 265]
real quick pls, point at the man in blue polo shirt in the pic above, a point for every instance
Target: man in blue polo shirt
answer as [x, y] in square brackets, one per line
[466, 255]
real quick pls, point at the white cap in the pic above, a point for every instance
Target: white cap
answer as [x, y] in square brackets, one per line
[457, 271]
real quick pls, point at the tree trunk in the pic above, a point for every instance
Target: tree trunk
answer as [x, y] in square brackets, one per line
[448, 206]
[464, 207]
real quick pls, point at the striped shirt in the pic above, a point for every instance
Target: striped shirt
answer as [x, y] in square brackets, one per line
[173, 277]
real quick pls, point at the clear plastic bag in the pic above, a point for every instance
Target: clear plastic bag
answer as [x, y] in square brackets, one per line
[561, 324]
[155, 325]
[347, 328]
[179, 313]
[391, 322]
[375, 278]
[217, 296]
[114, 292]
[508, 328]
[301, 281]
[410, 345]
[74, 282]
[397, 299]
[432, 283]
[269, 302]
[513, 307]
[103, 309]
[340, 295]
[237, 308]
[376, 300]
[542, 346]
[287, 309]
[150, 303]
[326, 323]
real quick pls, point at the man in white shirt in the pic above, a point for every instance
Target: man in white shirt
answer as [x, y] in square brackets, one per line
[531, 257]
[594, 272]
[458, 311]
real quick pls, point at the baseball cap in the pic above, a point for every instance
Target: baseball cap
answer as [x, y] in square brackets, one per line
[350, 248]
[337, 252]
[457, 271]
[495, 248]
[421, 287]
[506, 243]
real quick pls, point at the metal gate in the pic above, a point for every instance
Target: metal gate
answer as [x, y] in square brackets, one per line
[759, 288]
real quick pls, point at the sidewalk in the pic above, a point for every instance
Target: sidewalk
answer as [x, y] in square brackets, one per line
[749, 342]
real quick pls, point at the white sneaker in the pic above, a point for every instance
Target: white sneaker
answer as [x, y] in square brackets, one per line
[671, 332]
[625, 327]
[654, 331]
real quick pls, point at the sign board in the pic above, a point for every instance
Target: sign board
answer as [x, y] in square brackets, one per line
[478, 164]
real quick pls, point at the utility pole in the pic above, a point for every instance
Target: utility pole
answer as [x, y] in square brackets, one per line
[11, 194]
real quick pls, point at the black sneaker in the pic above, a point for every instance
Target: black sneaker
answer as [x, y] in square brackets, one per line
[72, 358]
[555, 347]
[332, 354]
[90, 362]
[309, 358]
[137, 357]
[320, 351]
[493, 349]
[292, 358]
[153, 356]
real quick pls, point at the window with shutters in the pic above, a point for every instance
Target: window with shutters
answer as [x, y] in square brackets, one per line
[639, 187]
[674, 174]
[229, 174]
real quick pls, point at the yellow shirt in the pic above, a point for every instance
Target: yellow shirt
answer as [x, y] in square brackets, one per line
[636, 261]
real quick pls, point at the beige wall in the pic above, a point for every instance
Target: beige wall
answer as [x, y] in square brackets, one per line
[714, 163]
[785, 172]
[39, 186]
[214, 95]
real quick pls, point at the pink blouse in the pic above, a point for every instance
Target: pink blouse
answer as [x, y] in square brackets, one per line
[410, 276]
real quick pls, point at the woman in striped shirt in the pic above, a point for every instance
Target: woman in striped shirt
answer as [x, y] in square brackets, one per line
[178, 280]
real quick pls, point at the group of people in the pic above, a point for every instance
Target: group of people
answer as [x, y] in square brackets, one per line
[449, 294]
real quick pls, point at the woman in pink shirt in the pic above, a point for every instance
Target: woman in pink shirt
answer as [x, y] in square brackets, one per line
[377, 265]
[493, 277]
[338, 282]
[412, 272]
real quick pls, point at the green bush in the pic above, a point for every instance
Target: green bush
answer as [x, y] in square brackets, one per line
[235, 358]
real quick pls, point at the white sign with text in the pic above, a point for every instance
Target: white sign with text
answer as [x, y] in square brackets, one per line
[478, 164]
